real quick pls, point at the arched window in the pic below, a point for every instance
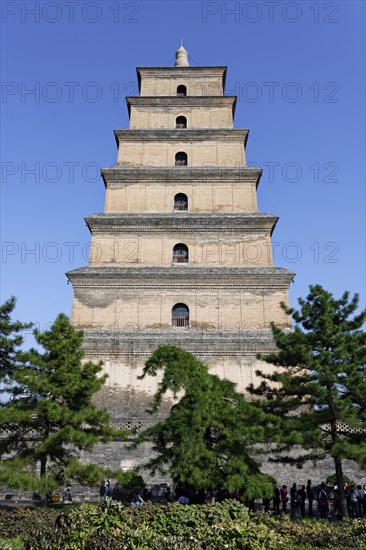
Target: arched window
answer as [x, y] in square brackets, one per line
[180, 254]
[181, 122]
[181, 159]
[180, 316]
[182, 90]
[180, 202]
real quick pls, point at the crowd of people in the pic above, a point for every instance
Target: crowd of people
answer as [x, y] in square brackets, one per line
[297, 497]
[298, 501]
[318, 499]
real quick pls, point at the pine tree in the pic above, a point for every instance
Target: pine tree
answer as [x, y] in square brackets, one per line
[10, 341]
[209, 436]
[51, 416]
[318, 393]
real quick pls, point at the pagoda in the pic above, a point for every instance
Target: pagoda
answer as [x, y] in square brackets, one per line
[180, 254]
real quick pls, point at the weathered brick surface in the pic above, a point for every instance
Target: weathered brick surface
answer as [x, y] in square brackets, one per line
[116, 456]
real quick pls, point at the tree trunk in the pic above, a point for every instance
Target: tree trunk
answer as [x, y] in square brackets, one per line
[43, 465]
[343, 510]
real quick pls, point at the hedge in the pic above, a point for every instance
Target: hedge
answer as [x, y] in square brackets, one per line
[228, 525]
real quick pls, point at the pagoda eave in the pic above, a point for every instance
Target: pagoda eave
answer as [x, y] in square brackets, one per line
[181, 102]
[122, 174]
[182, 276]
[203, 342]
[182, 222]
[182, 134]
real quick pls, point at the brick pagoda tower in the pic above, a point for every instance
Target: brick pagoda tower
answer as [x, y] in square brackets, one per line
[181, 254]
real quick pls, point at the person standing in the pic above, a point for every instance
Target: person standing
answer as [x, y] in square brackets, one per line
[295, 502]
[302, 495]
[360, 496]
[346, 494]
[284, 498]
[353, 502]
[336, 502]
[310, 495]
[293, 491]
[323, 503]
[276, 501]
[364, 500]
[107, 488]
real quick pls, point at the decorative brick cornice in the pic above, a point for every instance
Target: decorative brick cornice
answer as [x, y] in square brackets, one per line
[187, 135]
[181, 277]
[174, 102]
[119, 343]
[196, 287]
[168, 72]
[182, 222]
[191, 334]
[179, 229]
[122, 175]
[127, 354]
[185, 101]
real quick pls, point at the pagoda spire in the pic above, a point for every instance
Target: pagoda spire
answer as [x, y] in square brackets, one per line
[181, 56]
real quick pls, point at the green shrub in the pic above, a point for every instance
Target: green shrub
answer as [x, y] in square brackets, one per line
[322, 534]
[11, 544]
[112, 525]
[173, 526]
[17, 522]
[309, 547]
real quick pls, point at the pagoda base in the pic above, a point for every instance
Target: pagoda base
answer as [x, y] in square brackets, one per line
[227, 354]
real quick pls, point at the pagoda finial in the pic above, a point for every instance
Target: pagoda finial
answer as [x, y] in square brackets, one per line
[181, 56]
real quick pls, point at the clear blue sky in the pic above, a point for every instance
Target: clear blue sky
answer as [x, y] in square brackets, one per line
[298, 69]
